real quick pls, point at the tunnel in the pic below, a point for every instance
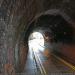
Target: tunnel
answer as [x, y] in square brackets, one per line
[57, 33]
[51, 51]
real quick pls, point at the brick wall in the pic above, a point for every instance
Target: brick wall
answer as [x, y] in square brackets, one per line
[16, 14]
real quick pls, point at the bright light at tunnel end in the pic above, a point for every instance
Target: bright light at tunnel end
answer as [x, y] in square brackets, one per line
[36, 41]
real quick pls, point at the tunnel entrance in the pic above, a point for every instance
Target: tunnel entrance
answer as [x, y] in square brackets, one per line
[36, 41]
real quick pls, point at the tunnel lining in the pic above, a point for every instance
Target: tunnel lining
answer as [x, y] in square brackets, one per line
[26, 33]
[53, 12]
[44, 21]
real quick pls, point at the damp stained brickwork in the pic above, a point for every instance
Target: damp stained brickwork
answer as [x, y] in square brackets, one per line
[16, 14]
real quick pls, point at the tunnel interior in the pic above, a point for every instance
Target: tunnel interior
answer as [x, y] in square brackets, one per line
[55, 20]
[58, 27]
[59, 32]
[56, 32]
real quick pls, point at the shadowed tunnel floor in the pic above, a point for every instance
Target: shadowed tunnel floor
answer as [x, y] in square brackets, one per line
[43, 62]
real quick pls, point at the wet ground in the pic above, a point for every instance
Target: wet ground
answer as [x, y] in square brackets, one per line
[41, 61]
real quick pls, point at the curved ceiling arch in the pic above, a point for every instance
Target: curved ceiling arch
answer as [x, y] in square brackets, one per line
[54, 12]
[56, 23]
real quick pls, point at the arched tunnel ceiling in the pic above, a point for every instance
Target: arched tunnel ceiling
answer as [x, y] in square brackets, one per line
[60, 28]
[25, 10]
[18, 13]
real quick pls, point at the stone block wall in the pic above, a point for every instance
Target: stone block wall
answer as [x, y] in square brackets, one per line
[15, 15]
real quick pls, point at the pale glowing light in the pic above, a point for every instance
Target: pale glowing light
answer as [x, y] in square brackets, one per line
[37, 35]
[37, 43]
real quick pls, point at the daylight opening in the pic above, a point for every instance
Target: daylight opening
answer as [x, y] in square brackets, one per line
[36, 41]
